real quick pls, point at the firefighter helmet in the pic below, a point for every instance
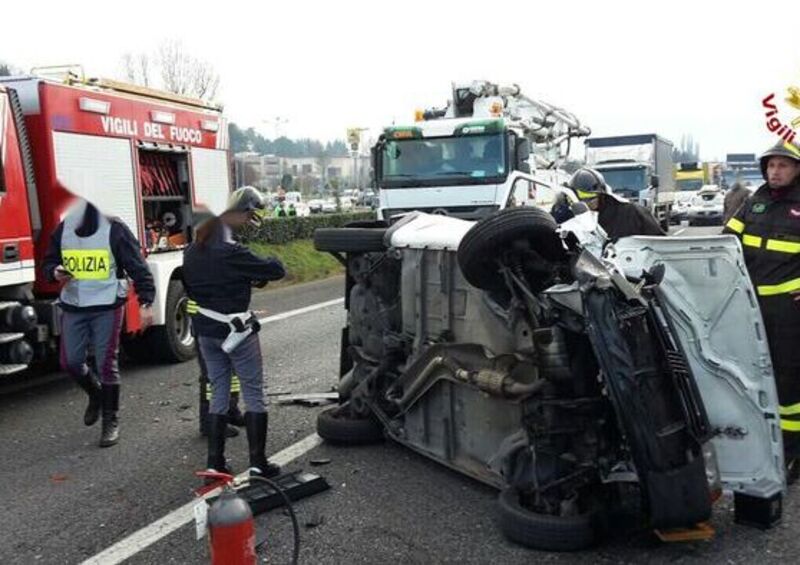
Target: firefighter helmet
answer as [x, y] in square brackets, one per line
[780, 149]
[245, 199]
[588, 183]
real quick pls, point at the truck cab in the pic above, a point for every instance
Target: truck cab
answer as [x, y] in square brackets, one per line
[690, 177]
[473, 158]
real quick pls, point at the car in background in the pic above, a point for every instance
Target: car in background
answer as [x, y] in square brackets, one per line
[316, 206]
[706, 207]
[367, 199]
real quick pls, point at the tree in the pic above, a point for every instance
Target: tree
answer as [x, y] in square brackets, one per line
[175, 70]
[7, 70]
[323, 160]
[185, 74]
[136, 68]
[687, 151]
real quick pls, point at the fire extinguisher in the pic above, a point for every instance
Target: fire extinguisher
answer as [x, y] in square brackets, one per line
[232, 537]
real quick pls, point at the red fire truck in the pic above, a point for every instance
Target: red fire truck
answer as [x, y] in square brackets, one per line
[149, 157]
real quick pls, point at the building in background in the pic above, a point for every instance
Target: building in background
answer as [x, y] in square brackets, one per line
[311, 175]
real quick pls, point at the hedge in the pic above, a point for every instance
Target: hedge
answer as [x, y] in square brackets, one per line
[284, 230]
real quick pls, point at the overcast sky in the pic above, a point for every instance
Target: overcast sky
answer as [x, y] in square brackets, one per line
[621, 67]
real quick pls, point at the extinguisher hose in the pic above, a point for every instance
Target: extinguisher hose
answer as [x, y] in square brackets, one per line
[295, 526]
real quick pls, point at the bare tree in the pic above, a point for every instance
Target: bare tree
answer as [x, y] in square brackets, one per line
[185, 74]
[136, 68]
[8, 70]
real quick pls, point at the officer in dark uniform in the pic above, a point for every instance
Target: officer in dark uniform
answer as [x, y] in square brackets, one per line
[769, 227]
[616, 216]
[93, 255]
[219, 274]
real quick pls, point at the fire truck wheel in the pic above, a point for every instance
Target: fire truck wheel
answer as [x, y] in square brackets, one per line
[524, 228]
[174, 342]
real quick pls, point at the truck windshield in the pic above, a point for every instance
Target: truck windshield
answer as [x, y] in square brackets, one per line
[442, 161]
[752, 176]
[626, 181]
[689, 184]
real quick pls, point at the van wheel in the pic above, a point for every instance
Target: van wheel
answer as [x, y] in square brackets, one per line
[544, 531]
[501, 231]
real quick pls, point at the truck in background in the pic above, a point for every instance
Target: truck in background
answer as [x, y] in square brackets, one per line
[637, 167]
[490, 148]
[742, 167]
[149, 157]
[690, 177]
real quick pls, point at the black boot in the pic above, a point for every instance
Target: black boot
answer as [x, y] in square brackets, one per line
[256, 424]
[217, 423]
[230, 431]
[91, 386]
[110, 403]
[235, 416]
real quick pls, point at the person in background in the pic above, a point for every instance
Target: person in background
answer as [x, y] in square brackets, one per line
[734, 198]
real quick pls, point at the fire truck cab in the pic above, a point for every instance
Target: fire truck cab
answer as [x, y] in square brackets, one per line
[151, 158]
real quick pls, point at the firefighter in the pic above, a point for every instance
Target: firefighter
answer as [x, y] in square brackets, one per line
[226, 330]
[616, 216]
[769, 227]
[92, 254]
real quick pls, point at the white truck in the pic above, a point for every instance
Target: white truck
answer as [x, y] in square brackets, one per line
[492, 147]
[637, 167]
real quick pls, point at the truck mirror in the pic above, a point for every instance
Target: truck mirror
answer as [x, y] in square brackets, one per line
[654, 181]
[373, 157]
[523, 152]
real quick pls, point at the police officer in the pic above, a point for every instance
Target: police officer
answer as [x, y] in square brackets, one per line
[235, 416]
[219, 273]
[92, 254]
[616, 216]
[769, 227]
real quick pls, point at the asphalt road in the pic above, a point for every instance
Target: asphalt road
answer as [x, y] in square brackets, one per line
[66, 500]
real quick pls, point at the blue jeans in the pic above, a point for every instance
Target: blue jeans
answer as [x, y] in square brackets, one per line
[245, 362]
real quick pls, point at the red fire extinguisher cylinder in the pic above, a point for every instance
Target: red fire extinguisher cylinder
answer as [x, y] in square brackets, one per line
[232, 537]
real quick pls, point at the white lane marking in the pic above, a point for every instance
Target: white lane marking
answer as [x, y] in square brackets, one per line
[679, 232]
[304, 310]
[150, 534]
[161, 528]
